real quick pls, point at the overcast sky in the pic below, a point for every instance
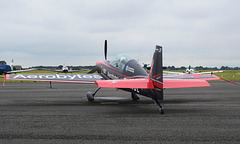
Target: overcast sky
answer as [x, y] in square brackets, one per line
[72, 32]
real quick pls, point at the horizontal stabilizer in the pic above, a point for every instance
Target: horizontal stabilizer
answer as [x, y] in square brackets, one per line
[126, 83]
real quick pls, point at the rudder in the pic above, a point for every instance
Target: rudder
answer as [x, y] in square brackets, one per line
[156, 73]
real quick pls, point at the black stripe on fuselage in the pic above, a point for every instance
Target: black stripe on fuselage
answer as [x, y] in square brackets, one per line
[108, 71]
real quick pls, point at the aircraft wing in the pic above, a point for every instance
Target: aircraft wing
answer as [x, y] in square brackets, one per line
[169, 81]
[209, 72]
[17, 71]
[69, 71]
[75, 78]
[50, 70]
[170, 72]
[76, 70]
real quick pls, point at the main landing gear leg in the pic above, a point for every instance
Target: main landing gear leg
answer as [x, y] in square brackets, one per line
[50, 84]
[90, 95]
[160, 106]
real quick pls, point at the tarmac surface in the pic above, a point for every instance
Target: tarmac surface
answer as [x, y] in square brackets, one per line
[34, 113]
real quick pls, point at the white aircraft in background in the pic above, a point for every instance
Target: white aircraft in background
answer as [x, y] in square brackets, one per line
[64, 69]
[191, 70]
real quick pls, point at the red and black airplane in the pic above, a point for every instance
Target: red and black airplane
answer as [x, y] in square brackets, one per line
[127, 74]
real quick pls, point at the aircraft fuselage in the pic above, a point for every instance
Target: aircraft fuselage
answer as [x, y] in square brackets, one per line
[4, 69]
[132, 69]
[108, 71]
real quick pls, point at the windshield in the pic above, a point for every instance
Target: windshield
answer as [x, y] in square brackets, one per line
[120, 61]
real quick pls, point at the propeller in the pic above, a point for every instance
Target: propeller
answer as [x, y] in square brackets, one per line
[92, 71]
[105, 49]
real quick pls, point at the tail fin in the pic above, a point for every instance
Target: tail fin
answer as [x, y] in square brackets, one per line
[156, 73]
[11, 65]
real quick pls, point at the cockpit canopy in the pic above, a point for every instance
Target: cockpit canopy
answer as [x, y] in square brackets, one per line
[120, 61]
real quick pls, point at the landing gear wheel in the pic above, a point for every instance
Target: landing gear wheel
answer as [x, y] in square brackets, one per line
[161, 110]
[158, 103]
[90, 96]
[135, 97]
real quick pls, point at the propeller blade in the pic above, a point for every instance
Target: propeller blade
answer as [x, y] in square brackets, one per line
[105, 49]
[92, 71]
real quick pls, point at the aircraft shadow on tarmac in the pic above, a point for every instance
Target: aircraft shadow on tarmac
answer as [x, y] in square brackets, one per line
[187, 101]
[123, 106]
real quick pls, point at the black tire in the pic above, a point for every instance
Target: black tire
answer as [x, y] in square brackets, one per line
[161, 110]
[90, 96]
[135, 97]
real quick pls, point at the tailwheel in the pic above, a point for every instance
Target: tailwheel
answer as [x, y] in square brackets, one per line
[161, 110]
[160, 106]
[135, 97]
[90, 96]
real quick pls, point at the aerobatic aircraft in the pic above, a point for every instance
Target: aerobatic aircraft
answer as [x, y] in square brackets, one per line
[127, 74]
